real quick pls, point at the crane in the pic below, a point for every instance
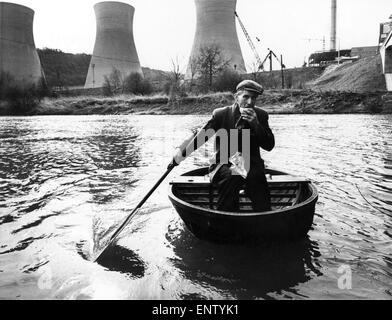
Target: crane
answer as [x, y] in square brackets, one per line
[269, 56]
[261, 67]
[282, 66]
[258, 59]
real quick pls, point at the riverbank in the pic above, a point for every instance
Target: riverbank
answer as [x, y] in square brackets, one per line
[273, 101]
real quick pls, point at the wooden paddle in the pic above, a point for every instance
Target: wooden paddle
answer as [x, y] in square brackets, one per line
[134, 212]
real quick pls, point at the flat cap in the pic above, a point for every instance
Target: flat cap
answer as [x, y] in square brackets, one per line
[250, 85]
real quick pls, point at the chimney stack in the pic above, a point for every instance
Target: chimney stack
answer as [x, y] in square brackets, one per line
[333, 24]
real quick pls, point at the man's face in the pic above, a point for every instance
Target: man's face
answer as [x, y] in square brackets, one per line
[246, 99]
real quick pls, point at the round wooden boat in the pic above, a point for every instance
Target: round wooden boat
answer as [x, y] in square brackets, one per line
[293, 202]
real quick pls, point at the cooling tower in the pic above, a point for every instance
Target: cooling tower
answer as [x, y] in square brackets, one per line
[216, 26]
[114, 43]
[333, 24]
[18, 55]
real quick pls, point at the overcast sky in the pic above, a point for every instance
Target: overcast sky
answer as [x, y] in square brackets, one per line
[165, 30]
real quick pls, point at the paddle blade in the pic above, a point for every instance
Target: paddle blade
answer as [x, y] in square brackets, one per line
[102, 251]
[104, 248]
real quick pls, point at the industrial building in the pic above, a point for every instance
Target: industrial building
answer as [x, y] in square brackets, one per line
[386, 56]
[385, 30]
[364, 52]
[18, 55]
[216, 27]
[114, 45]
[338, 55]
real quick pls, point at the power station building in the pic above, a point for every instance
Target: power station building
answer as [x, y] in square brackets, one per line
[216, 27]
[386, 51]
[18, 56]
[386, 56]
[114, 44]
[385, 30]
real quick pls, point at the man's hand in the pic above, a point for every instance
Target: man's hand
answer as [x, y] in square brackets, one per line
[178, 157]
[250, 116]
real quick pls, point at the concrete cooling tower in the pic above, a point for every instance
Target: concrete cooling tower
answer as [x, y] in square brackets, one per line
[18, 55]
[216, 26]
[114, 43]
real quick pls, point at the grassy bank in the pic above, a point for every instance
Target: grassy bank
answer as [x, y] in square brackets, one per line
[273, 101]
[364, 75]
[127, 104]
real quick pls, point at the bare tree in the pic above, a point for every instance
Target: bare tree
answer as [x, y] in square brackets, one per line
[192, 69]
[59, 81]
[255, 69]
[210, 62]
[114, 82]
[175, 79]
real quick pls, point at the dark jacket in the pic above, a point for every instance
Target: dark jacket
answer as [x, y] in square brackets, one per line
[227, 118]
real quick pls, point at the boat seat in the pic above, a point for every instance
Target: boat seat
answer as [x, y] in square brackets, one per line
[205, 180]
[285, 190]
[192, 180]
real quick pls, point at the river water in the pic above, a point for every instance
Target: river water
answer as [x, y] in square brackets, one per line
[65, 181]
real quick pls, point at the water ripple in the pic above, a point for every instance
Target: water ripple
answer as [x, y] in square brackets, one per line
[67, 182]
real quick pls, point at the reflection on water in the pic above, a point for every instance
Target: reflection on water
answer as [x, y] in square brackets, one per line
[123, 260]
[245, 272]
[67, 182]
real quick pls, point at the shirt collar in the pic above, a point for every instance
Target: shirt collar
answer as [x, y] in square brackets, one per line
[236, 109]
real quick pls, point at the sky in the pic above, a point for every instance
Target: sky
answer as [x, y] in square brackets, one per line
[164, 30]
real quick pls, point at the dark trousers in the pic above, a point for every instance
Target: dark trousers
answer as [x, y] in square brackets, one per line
[229, 185]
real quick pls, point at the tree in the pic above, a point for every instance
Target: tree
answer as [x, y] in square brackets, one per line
[255, 69]
[175, 80]
[117, 81]
[107, 88]
[227, 80]
[192, 69]
[210, 62]
[59, 84]
[136, 84]
[113, 83]
[21, 98]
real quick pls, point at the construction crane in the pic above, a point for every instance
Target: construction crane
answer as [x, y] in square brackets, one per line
[260, 67]
[282, 66]
[269, 56]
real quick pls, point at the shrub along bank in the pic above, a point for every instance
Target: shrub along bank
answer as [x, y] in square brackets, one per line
[273, 101]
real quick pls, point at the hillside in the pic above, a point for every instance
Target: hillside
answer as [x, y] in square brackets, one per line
[364, 75]
[70, 70]
[64, 69]
[294, 78]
